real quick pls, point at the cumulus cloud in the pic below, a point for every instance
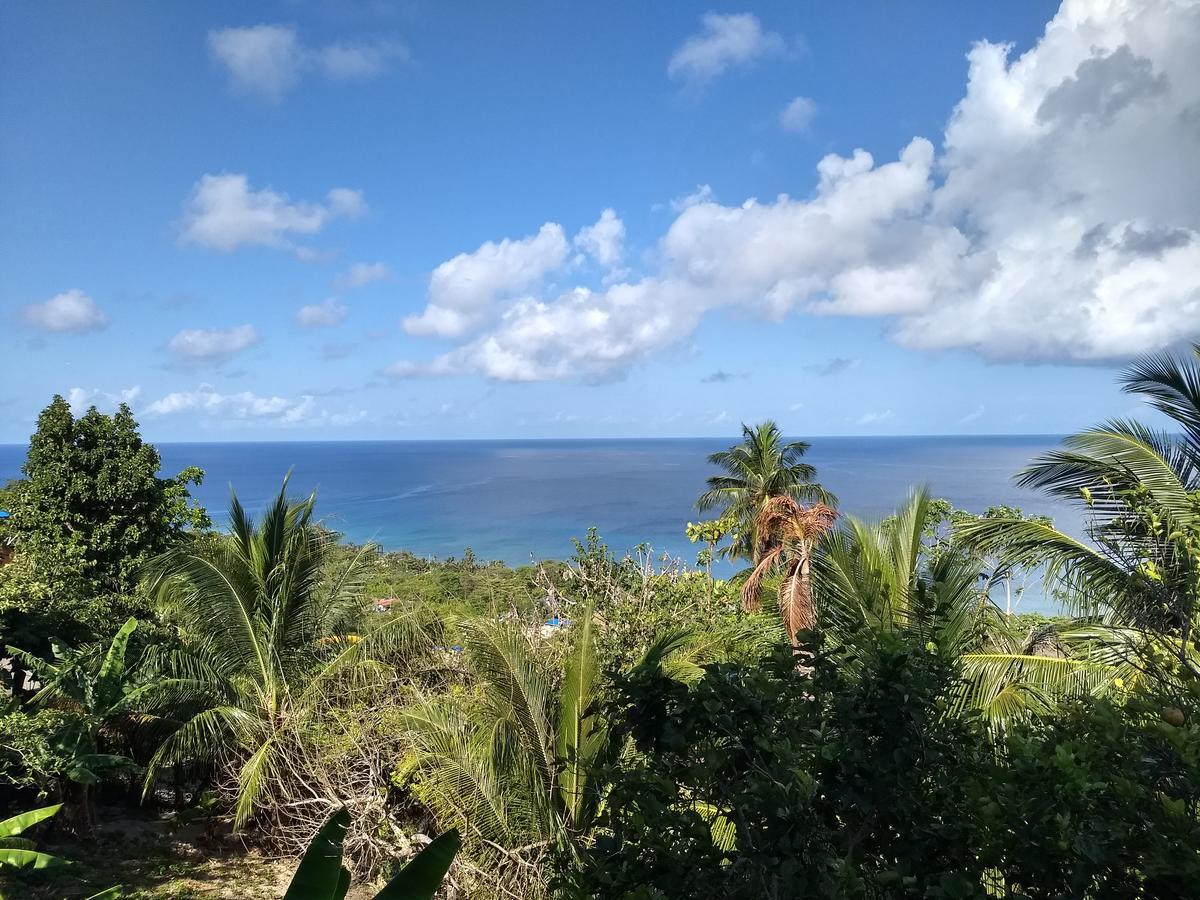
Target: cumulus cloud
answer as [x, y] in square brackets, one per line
[212, 345]
[797, 115]
[718, 377]
[1061, 223]
[361, 274]
[724, 42]
[269, 60]
[70, 311]
[462, 289]
[225, 213]
[1073, 170]
[326, 314]
[702, 194]
[603, 241]
[206, 402]
[80, 399]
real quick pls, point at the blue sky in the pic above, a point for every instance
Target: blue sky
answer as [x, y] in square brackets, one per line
[303, 220]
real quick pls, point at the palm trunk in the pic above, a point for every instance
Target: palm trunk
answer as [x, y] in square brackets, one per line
[78, 817]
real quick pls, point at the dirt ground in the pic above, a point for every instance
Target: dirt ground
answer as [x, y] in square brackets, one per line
[155, 859]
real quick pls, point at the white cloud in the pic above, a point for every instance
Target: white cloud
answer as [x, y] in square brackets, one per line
[874, 418]
[603, 241]
[1073, 168]
[724, 41]
[797, 115]
[580, 334]
[225, 213]
[1060, 223]
[269, 60]
[263, 59]
[80, 399]
[326, 314]
[206, 402]
[362, 274]
[362, 60]
[973, 416]
[462, 289]
[702, 194]
[212, 345]
[71, 310]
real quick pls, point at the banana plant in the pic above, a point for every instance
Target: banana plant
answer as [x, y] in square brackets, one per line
[21, 853]
[321, 875]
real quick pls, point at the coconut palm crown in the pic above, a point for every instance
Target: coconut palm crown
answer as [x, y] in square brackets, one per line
[268, 625]
[762, 466]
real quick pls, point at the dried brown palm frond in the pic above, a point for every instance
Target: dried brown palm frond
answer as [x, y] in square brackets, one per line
[786, 534]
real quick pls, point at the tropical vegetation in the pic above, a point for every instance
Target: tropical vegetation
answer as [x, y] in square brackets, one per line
[861, 711]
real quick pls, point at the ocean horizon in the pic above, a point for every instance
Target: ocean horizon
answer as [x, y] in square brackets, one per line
[517, 500]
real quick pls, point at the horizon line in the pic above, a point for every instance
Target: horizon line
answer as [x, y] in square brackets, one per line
[464, 440]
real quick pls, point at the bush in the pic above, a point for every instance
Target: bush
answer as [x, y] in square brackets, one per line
[845, 776]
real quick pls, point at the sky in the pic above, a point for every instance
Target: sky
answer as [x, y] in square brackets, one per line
[311, 219]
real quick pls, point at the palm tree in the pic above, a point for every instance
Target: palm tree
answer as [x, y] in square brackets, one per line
[762, 466]
[513, 761]
[896, 576]
[882, 577]
[1134, 588]
[96, 691]
[786, 537]
[268, 627]
[509, 762]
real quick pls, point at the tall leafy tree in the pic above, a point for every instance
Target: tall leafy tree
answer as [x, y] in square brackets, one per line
[762, 466]
[90, 511]
[267, 630]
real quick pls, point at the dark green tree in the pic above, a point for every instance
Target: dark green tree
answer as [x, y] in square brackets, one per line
[90, 511]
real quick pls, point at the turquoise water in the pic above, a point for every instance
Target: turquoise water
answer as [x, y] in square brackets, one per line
[517, 500]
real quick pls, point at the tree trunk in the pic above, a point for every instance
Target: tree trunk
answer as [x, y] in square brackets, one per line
[78, 816]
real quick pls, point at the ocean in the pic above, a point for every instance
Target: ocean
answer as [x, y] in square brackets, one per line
[517, 500]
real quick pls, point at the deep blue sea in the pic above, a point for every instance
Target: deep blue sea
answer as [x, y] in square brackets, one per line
[514, 500]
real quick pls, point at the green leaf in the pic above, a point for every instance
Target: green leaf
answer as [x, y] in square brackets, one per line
[422, 877]
[30, 859]
[112, 670]
[111, 894]
[319, 875]
[20, 822]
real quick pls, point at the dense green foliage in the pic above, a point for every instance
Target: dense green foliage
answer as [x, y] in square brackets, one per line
[851, 777]
[89, 513]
